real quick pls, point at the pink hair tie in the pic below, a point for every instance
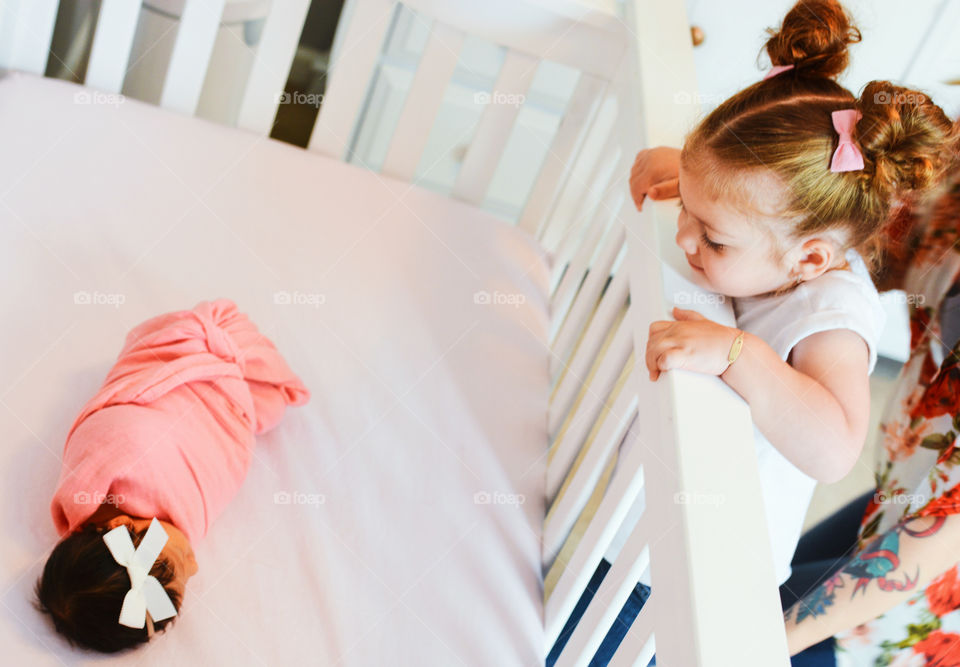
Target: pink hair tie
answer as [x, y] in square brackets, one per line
[776, 69]
[847, 157]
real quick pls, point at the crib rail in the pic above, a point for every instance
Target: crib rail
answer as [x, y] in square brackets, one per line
[657, 477]
[680, 485]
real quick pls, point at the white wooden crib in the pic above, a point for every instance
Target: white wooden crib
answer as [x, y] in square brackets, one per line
[681, 448]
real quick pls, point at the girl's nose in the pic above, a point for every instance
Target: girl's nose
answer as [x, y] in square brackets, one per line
[686, 238]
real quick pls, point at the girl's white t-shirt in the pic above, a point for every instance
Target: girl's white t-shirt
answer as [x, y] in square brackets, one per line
[838, 299]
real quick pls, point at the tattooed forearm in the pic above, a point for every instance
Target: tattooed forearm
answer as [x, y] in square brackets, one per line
[878, 561]
[816, 602]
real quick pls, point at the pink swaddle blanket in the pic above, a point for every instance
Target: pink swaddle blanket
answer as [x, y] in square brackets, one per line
[171, 432]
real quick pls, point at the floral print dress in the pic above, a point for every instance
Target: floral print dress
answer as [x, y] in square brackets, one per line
[918, 472]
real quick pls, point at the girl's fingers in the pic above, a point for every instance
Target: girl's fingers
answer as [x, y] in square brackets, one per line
[659, 360]
[653, 351]
[670, 359]
[659, 325]
[683, 314]
[657, 346]
[640, 179]
[665, 189]
[640, 189]
[652, 368]
[638, 192]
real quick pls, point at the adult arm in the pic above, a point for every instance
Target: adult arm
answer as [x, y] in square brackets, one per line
[887, 571]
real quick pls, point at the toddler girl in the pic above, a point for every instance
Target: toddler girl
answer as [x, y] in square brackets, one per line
[785, 189]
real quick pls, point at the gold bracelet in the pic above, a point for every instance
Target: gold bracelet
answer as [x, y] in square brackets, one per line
[735, 349]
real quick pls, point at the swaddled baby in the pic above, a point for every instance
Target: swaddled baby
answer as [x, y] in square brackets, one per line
[150, 462]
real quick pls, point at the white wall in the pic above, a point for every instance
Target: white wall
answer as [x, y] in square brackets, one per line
[912, 43]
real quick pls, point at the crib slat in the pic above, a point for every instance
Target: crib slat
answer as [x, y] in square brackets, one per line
[26, 29]
[572, 307]
[577, 120]
[586, 174]
[112, 43]
[191, 55]
[571, 388]
[570, 572]
[568, 292]
[579, 250]
[572, 246]
[606, 178]
[596, 389]
[493, 130]
[639, 645]
[272, 63]
[606, 434]
[602, 323]
[570, 215]
[349, 75]
[608, 600]
[582, 525]
[424, 98]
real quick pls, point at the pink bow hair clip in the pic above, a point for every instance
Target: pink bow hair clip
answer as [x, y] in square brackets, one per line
[776, 69]
[847, 157]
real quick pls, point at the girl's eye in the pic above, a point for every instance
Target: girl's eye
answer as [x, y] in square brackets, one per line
[717, 247]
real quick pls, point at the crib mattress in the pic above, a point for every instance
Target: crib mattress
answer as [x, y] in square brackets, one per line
[395, 519]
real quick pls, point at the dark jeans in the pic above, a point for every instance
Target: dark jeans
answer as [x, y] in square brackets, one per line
[629, 611]
[819, 553]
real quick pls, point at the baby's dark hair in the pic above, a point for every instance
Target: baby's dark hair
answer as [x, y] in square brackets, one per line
[82, 589]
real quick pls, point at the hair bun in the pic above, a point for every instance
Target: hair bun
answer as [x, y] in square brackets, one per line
[908, 141]
[814, 38]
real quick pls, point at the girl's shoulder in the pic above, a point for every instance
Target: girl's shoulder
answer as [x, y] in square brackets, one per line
[838, 299]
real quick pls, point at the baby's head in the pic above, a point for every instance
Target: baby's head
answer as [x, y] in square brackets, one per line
[83, 587]
[762, 210]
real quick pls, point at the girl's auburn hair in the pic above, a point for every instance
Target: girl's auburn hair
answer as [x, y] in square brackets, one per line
[783, 124]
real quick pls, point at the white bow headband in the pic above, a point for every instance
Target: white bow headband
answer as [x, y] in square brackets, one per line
[146, 593]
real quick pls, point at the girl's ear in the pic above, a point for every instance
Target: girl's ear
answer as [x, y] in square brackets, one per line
[816, 256]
